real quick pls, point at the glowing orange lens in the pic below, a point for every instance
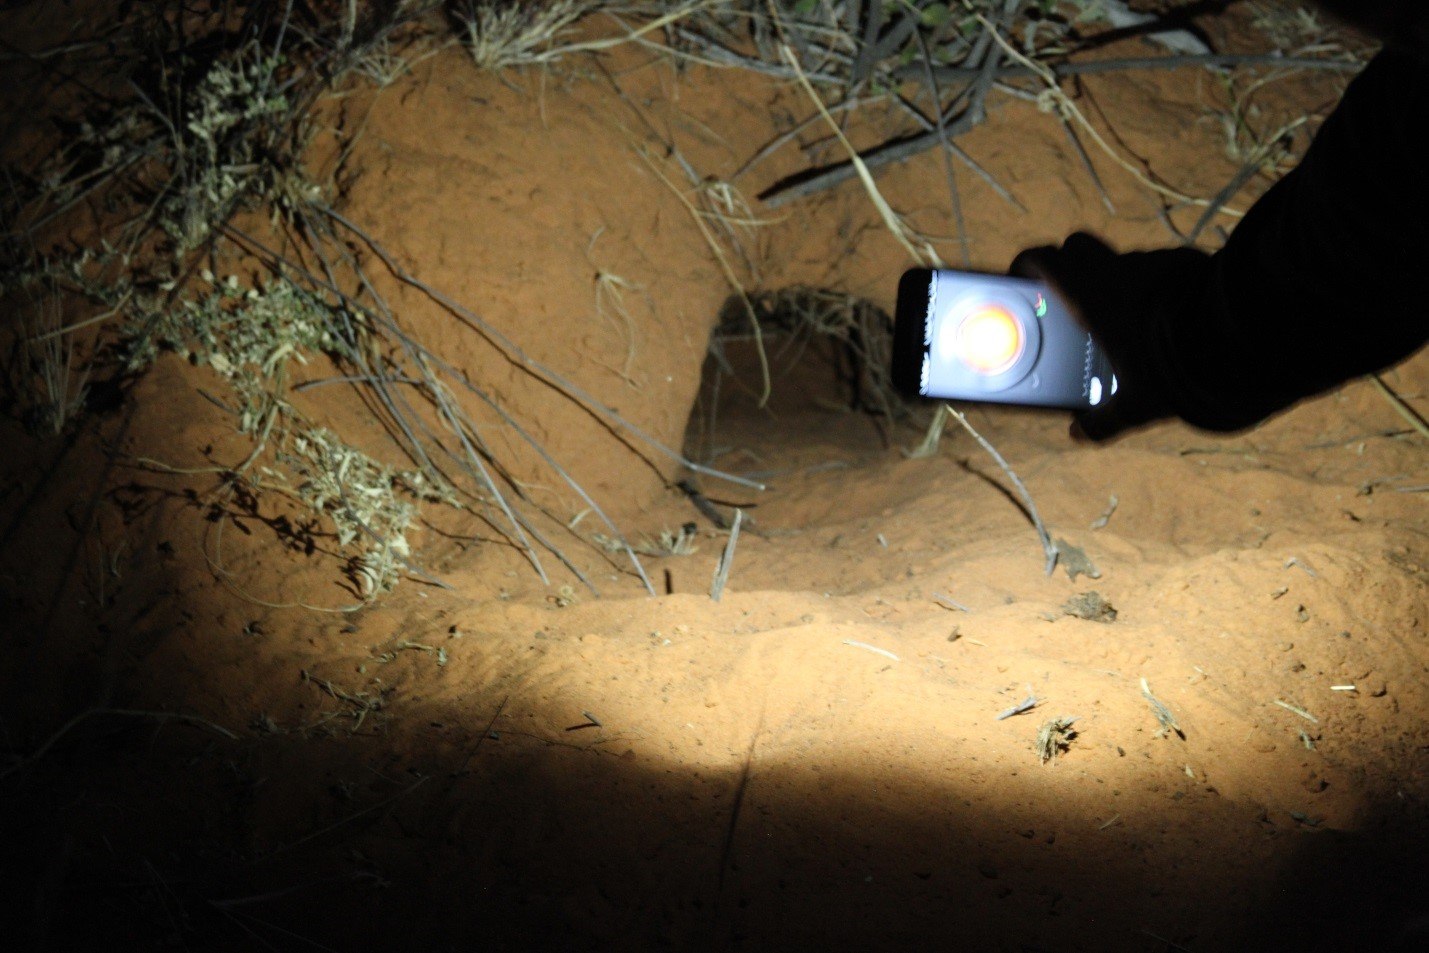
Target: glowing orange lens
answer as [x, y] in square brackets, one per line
[989, 340]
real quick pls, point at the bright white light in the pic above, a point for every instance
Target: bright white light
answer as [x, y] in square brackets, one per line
[1096, 390]
[989, 340]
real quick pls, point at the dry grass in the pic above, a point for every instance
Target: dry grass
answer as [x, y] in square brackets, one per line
[51, 379]
[219, 122]
[505, 33]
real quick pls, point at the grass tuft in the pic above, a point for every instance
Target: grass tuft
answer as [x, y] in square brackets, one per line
[500, 34]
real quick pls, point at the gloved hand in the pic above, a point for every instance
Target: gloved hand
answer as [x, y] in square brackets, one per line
[1125, 301]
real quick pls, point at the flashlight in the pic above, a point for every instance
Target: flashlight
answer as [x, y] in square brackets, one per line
[997, 338]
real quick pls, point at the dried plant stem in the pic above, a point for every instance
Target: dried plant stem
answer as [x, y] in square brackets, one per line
[160, 716]
[788, 136]
[560, 471]
[925, 256]
[1400, 406]
[931, 438]
[466, 431]
[520, 357]
[1139, 63]
[1297, 710]
[214, 559]
[400, 413]
[1254, 163]
[473, 454]
[954, 199]
[610, 305]
[962, 156]
[1162, 711]
[1048, 547]
[403, 416]
[596, 46]
[455, 418]
[726, 559]
[766, 385]
[1064, 106]
[1091, 170]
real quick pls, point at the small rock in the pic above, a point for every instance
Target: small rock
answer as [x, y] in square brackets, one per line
[1090, 606]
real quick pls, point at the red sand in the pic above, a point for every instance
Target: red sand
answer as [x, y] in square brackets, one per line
[813, 762]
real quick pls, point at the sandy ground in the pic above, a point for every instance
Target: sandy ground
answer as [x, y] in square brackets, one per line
[817, 759]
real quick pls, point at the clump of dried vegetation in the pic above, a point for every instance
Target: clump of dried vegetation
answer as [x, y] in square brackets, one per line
[500, 35]
[166, 120]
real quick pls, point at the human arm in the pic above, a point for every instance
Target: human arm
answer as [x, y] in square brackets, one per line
[1317, 284]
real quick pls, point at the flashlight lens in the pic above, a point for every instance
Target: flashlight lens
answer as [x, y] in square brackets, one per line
[990, 340]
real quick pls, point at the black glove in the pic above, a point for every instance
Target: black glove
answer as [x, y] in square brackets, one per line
[1125, 301]
[1319, 283]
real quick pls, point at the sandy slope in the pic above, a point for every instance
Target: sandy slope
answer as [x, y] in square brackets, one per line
[813, 761]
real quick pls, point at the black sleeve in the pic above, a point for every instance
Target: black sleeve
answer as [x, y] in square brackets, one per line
[1320, 281]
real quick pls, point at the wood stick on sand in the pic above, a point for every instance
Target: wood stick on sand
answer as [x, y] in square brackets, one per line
[726, 559]
[1048, 547]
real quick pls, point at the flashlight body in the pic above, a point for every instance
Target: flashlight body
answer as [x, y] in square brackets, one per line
[965, 336]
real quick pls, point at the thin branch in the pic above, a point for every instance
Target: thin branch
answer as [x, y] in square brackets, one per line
[162, 716]
[520, 357]
[891, 218]
[1223, 60]
[1048, 547]
[1086, 160]
[1400, 406]
[900, 149]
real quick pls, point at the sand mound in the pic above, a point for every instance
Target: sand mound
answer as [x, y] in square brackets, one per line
[817, 759]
